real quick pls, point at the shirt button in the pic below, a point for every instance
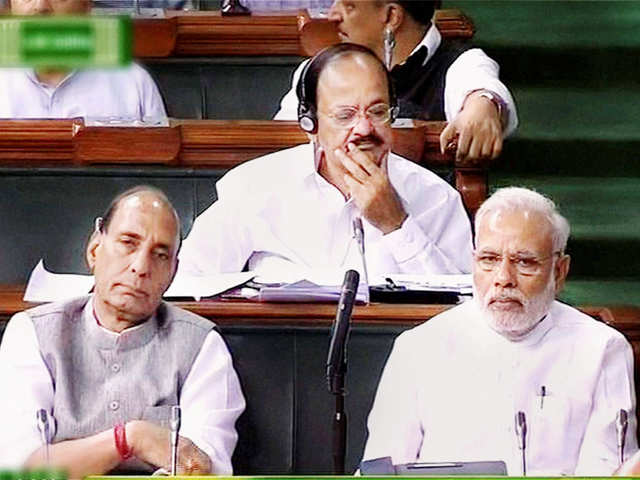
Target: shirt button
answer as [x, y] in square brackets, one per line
[114, 405]
[115, 368]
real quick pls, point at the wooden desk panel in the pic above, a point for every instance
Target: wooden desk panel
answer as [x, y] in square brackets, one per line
[293, 33]
[231, 312]
[220, 144]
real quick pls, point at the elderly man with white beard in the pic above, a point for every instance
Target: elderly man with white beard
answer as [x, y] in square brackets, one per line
[452, 387]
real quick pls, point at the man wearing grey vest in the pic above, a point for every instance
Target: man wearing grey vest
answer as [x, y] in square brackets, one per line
[109, 367]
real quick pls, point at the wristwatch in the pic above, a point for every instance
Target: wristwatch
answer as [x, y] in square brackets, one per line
[499, 103]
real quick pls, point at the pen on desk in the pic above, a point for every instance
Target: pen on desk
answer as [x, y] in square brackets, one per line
[543, 393]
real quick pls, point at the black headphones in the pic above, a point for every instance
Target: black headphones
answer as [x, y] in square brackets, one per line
[307, 117]
[307, 114]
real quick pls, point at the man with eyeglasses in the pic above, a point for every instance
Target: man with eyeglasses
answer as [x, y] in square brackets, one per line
[296, 208]
[452, 387]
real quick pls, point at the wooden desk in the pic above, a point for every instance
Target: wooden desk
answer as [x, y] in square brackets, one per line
[206, 33]
[220, 144]
[234, 312]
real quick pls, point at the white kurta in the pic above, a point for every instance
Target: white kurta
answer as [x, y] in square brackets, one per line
[211, 398]
[452, 386]
[277, 213]
[472, 70]
[124, 95]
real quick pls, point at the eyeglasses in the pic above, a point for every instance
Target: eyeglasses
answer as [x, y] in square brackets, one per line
[524, 264]
[347, 117]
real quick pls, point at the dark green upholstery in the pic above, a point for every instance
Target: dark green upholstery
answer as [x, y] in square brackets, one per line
[223, 88]
[49, 213]
[286, 428]
[573, 69]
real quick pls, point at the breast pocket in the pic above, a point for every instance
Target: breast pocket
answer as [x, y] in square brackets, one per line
[553, 439]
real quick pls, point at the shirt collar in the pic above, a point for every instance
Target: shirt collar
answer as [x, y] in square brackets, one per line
[31, 75]
[129, 338]
[431, 40]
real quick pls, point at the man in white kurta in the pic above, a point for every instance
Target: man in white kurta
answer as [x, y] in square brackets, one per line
[452, 387]
[295, 208]
[123, 95]
[109, 367]
[278, 213]
[107, 96]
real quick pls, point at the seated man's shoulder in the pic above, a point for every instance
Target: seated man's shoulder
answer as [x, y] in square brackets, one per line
[65, 310]
[583, 327]
[439, 327]
[260, 175]
[171, 316]
[133, 74]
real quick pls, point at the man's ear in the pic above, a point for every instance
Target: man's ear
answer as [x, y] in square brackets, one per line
[561, 270]
[394, 16]
[92, 246]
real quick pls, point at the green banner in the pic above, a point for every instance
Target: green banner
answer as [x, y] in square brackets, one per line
[65, 42]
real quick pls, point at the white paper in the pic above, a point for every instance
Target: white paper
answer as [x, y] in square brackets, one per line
[206, 286]
[460, 283]
[45, 286]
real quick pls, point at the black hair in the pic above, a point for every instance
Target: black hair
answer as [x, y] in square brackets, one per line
[307, 87]
[420, 10]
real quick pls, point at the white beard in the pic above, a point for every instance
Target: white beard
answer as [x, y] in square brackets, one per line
[514, 325]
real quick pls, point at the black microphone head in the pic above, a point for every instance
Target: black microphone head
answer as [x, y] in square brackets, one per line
[351, 280]
[336, 357]
[521, 429]
[622, 419]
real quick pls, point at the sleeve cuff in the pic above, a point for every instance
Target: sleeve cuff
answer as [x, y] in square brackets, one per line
[406, 242]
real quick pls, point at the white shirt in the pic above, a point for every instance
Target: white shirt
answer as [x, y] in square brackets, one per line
[452, 386]
[472, 70]
[211, 399]
[277, 212]
[126, 95]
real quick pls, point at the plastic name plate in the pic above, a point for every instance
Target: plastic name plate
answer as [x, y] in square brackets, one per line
[65, 41]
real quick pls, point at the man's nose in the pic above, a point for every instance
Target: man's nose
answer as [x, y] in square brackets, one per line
[42, 6]
[363, 125]
[505, 273]
[141, 263]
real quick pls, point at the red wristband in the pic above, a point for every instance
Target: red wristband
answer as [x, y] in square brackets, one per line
[120, 437]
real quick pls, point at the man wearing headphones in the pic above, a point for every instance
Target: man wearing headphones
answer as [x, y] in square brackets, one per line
[296, 208]
[435, 78]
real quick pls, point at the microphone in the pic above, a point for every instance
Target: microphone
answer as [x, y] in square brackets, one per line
[622, 423]
[358, 234]
[336, 359]
[521, 433]
[42, 417]
[174, 425]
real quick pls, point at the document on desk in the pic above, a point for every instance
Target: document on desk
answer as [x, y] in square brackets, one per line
[46, 286]
[460, 283]
[305, 285]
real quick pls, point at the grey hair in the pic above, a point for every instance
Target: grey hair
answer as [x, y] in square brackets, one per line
[518, 198]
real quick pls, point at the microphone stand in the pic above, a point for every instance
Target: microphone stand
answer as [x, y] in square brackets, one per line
[337, 367]
[521, 433]
[621, 431]
[42, 417]
[174, 424]
[336, 387]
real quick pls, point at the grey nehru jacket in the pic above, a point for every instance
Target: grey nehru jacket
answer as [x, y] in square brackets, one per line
[102, 378]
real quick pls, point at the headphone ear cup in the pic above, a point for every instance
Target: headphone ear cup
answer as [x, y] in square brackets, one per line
[395, 111]
[307, 119]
